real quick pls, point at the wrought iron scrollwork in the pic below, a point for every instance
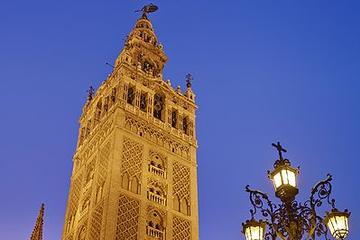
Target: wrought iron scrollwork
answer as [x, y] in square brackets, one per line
[293, 220]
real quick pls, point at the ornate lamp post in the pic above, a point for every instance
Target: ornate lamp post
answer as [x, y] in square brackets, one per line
[292, 220]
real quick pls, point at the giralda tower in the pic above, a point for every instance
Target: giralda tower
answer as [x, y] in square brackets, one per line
[135, 170]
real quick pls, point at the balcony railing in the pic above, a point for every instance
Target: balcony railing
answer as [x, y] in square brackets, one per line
[155, 233]
[157, 171]
[156, 198]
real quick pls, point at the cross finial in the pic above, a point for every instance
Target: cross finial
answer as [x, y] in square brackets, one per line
[280, 149]
[189, 79]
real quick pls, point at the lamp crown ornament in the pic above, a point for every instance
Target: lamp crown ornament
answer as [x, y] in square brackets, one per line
[293, 220]
[281, 150]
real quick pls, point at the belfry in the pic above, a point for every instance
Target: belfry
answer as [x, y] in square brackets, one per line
[135, 169]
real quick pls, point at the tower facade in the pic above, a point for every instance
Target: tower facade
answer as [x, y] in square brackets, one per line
[135, 170]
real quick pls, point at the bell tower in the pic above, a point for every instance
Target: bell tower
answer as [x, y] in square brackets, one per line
[135, 169]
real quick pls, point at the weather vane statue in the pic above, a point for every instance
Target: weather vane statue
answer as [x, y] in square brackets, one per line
[150, 8]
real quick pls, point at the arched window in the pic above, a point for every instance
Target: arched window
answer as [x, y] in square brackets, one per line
[125, 181]
[113, 95]
[131, 95]
[184, 207]
[143, 102]
[185, 125]
[155, 225]
[174, 118]
[157, 166]
[159, 105]
[156, 194]
[176, 203]
[134, 185]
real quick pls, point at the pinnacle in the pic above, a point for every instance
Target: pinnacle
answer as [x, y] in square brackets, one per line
[37, 233]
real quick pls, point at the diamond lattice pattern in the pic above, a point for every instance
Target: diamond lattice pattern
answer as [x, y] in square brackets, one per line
[181, 229]
[132, 158]
[128, 217]
[181, 180]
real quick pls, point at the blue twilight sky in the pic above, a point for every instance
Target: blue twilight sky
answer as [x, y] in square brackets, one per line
[263, 71]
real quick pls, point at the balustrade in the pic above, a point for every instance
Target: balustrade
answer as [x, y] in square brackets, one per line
[156, 198]
[155, 233]
[157, 171]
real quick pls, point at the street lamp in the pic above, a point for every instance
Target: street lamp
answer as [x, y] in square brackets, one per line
[254, 230]
[292, 220]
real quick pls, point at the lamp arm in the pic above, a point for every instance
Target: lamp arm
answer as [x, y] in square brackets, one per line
[260, 201]
[257, 200]
[321, 228]
[321, 192]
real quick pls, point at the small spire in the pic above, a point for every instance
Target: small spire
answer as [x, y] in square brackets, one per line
[37, 233]
[189, 79]
[90, 93]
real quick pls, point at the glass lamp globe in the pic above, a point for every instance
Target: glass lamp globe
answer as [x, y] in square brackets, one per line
[254, 230]
[284, 178]
[338, 223]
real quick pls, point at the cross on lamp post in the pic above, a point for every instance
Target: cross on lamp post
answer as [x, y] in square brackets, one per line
[280, 149]
[292, 220]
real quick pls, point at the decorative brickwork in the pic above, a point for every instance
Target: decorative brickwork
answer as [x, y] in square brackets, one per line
[181, 181]
[181, 229]
[132, 158]
[151, 133]
[96, 223]
[75, 191]
[102, 166]
[128, 218]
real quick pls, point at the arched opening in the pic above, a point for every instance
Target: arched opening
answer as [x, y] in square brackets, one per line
[131, 95]
[157, 166]
[155, 225]
[184, 207]
[125, 181]
[113, 95]
[174, 118]
[134, 185]
[159, 106]
[176, 203]
[143, 102]
[156, 194]
[185, 125]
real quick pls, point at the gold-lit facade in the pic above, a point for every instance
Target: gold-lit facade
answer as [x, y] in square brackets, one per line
[135, 169]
